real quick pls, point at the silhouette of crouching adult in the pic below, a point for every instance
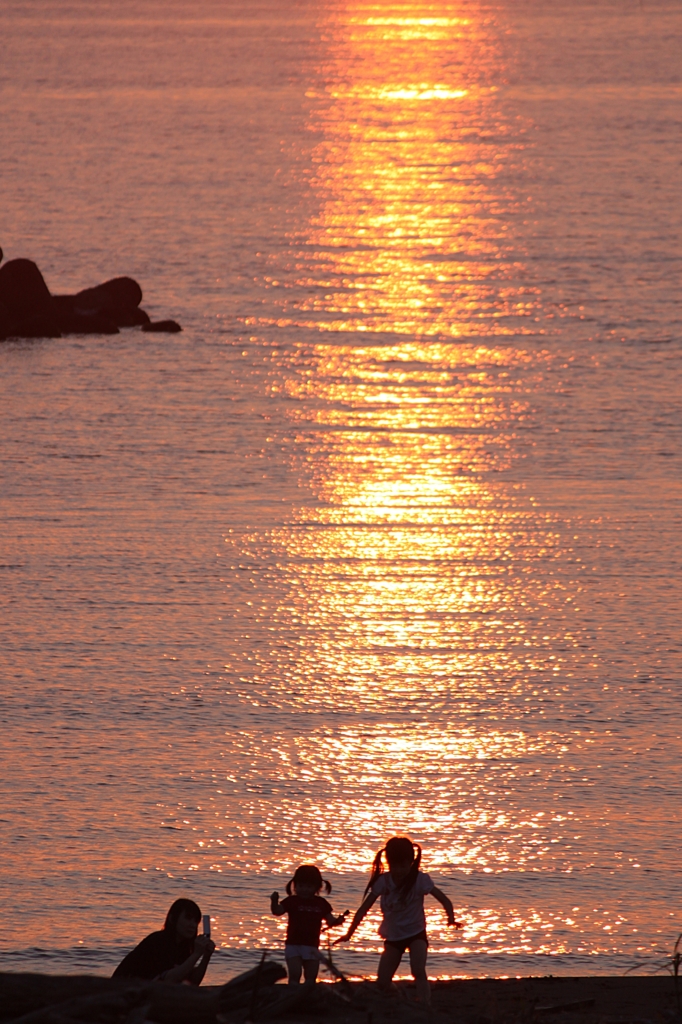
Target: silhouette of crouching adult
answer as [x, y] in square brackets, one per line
[176, 954]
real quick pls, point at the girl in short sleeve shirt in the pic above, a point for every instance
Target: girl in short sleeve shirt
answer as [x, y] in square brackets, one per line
[401, 891]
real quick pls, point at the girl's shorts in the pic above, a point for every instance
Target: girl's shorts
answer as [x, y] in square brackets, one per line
[305, 952]
[402, 944]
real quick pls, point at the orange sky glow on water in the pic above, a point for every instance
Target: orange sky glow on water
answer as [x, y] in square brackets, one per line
[387, 539]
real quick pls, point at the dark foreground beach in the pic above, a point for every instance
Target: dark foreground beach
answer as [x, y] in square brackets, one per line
[53, 999]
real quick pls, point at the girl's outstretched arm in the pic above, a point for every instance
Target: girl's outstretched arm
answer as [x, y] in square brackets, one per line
[359, 914]
[439, 895]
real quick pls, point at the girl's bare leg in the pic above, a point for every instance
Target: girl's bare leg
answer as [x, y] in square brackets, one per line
[418, 951]
[388, 965]
[310, 969]
[294, 968]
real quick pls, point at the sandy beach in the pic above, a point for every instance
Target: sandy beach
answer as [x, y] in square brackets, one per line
[54, 999]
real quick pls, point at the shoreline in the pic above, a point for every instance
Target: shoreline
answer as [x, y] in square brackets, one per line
[68, 999]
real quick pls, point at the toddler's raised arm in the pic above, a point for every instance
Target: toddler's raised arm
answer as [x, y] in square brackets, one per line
[275, 905]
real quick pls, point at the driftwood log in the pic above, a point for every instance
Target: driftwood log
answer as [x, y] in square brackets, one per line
[113, 1002]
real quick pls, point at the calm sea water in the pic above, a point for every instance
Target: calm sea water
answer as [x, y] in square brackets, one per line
[388, 539]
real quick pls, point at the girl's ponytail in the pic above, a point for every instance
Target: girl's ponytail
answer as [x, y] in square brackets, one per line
[377, 868]
[411, 876]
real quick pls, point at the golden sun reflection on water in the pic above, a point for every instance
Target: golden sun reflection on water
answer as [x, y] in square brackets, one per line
[411, 232]
[408, 554]
[416, 386]
[403, 606]
[362, 786]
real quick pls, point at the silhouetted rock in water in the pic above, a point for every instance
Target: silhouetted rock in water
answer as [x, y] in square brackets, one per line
[132, 318]
[89, 323]
[118, 299]
[4, 321]
[162, 327]
[118, 293]
[27, 310]
[23, 291]
[115, 302]
[25, 302]
[35, 325]
[73, 320]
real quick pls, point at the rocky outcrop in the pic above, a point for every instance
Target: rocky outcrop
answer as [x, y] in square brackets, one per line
[118, 299]
[72, 319]
[28, 310]
[25, 300]
[162, 327]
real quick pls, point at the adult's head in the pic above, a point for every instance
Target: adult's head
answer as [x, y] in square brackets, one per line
[182, 920]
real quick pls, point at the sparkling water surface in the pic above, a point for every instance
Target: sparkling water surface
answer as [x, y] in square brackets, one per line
[388, 539]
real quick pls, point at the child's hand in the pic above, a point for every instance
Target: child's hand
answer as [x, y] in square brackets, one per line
[453, 923]
[274, 897]
[342, 938]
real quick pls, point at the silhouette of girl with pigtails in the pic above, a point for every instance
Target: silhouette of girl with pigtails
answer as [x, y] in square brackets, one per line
[401, 890]
[306, 910]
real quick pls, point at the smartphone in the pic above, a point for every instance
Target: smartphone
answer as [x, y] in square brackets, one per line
[206, 919]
